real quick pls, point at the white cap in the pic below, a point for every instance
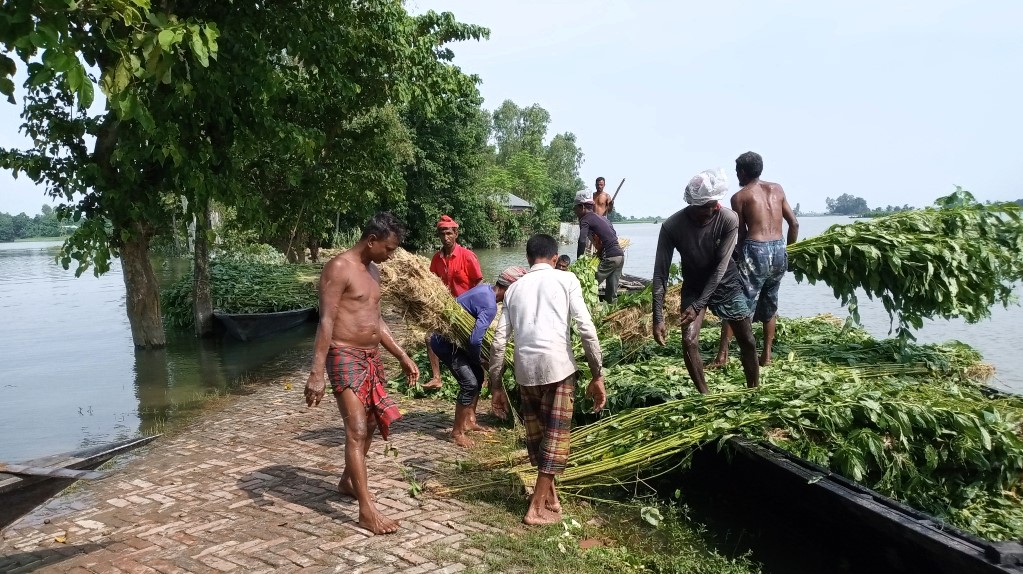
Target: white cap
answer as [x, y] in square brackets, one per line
[707, 186]
[583, 197]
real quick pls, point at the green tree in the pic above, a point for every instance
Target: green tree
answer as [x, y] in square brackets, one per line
[846, 204]
[291, 92]
[450, 150]
[518, 129]
[564, 158]
[140, 53]
[7, 227]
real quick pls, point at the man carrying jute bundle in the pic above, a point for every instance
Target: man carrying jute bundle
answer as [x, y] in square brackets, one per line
[539, 312]
[466, 364]
[347, 347]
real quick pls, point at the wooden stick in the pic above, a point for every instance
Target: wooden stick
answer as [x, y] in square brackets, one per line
[617, 190]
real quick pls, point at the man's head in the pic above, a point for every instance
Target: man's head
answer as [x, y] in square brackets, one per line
[563, 262]
[583, 203]
[506, 278]
[542, 248]
[748, 167]
[382, 235]
[599, 184]
[704, 192]
[447, 231]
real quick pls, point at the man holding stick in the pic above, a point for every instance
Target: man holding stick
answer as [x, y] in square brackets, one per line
[347, 347]
[539, 312]
[604, 204]
[704, 234]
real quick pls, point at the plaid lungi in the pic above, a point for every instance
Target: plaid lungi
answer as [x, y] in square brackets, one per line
[362, 371]
[547, 416]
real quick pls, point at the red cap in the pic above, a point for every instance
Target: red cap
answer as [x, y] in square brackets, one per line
[446, 221]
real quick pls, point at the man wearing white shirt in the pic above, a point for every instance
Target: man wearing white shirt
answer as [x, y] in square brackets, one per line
[539, 311]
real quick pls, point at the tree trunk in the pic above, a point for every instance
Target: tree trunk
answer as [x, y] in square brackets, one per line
[203, 307]
[142, 292]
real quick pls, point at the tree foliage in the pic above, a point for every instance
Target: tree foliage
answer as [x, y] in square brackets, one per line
[21, 226]
[846, 204]
[957, 259]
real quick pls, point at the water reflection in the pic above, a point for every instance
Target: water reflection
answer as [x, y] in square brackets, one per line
[69, 374]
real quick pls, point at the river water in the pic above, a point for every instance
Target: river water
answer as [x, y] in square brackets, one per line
[69, 376]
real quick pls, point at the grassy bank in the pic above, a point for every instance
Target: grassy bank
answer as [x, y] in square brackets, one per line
[632, 535]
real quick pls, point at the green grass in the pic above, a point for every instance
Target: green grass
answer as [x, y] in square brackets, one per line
[594, 537]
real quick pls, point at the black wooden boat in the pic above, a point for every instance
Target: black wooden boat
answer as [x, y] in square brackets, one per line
[249, 326]
[808, 519]
[20, 493]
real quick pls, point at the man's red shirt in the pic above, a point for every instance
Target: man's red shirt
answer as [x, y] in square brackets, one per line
[460, 272]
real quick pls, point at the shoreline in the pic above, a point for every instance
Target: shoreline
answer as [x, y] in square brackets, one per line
[244, 485]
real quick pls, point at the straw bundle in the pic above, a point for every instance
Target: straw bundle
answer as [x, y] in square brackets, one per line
[636, 321]
[421, 299]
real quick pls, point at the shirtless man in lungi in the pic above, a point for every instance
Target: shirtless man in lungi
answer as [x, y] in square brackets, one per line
[347, 347]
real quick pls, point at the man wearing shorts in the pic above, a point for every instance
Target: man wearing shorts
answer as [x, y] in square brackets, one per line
[466, 364]
[540, 310]
[763, 260]
[704, 234]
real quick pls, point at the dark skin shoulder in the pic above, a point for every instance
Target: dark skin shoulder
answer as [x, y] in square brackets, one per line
[762, 206]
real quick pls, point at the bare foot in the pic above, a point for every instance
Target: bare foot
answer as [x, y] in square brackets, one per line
[377, 523]
[554, 507]
[474, 426]
[717, 363]
[433, 384]
[461, 440]
[344, 486]
[765, 360]
[536, 518]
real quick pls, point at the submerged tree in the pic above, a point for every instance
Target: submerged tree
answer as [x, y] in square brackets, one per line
[291, 94]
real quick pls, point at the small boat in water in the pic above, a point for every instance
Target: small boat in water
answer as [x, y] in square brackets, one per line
[249, 326]
[28, 484]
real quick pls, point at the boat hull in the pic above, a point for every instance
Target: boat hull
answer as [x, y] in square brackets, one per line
[249, 326]
[19, 494]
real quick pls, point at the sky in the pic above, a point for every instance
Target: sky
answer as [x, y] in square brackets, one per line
[893, 101]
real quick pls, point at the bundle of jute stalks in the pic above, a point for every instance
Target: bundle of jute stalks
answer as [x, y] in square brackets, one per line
[421, 299]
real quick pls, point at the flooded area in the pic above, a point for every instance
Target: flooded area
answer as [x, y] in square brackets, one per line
[69, 376]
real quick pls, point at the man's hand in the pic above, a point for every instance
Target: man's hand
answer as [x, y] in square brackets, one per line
[660, 332]
[499, 401]
[314, 388]
[595, 390]
[689, 315]
[411, 370]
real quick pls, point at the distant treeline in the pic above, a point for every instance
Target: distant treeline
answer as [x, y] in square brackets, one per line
[21, 226]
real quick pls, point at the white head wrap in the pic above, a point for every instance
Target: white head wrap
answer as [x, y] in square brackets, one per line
[583, 197]
[707, 186]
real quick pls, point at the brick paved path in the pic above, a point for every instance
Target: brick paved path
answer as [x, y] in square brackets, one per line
[252, 488]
